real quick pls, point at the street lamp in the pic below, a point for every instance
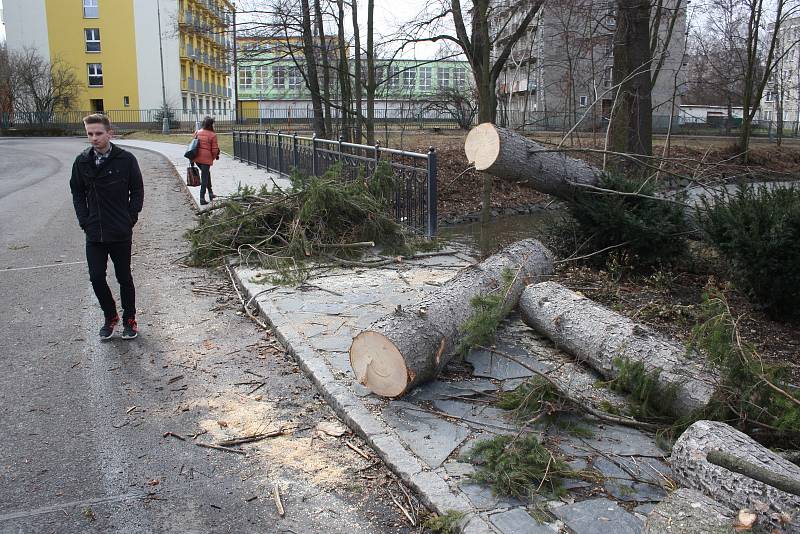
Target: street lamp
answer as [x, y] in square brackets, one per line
[164, 110]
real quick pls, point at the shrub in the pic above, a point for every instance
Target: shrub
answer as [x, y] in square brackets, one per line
[757, 229]
[652, 230]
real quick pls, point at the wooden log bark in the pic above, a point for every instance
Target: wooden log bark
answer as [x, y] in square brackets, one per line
[511, 156]
[692, 468]
[607, 341]
[412, 345]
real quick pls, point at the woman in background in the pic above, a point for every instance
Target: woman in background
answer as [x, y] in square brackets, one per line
[207, 152]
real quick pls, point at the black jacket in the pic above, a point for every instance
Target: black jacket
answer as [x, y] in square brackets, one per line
[107, 198]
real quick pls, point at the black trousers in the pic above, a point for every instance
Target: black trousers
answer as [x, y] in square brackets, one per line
[205, 179]
[97, 258]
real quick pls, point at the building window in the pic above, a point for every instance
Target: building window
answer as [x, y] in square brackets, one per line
[394, 77]
[608, 76]
[770, 96]
[295, 79]
[260, 79]
[184, 103]
[92, 39]
[126, 101]
[460, 77]
[90, 9]
[443, 75]
[409, 78]
[245, 78]
[425, 78]
[95, 74]
[584, 100]
[279, 76]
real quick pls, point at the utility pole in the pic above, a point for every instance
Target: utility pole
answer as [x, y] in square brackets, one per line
[164, 110]
[235, 70]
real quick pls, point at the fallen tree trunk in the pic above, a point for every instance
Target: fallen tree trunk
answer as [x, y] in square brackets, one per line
[609, 342]
[511, 156]
[411, 346]
[692, 468]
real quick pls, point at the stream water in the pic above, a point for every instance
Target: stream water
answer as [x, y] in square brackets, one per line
[487, 238]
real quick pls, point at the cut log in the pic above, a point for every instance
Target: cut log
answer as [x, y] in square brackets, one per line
[508, 155]
[411, 346]
[607, 341]
[692, 468]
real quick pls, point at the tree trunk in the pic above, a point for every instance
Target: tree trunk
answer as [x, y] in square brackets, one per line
[344, 76]
[371, 83]
[608, 341]
[692, 468]
[326, 67]
[508, 155]
[411, 346]
[359, 117]
[632, 123]
[687, 511]
[312, 80]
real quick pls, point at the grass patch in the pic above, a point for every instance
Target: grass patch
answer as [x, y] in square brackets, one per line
[518, 466]
[448, 523]
[650, 399]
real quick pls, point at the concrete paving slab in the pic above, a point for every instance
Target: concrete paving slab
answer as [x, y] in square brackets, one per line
[518, 521]
[598, 516]
[430, 437]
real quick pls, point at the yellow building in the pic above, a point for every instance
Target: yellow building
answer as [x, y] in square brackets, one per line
[134, 54]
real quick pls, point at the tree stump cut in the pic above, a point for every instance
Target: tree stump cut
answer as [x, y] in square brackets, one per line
[511, 156]
[411, 346]
[607, 340]
[692, 468]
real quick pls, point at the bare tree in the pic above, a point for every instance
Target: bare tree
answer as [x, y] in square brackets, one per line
[41, 87]
[461, 104]
[6, 100]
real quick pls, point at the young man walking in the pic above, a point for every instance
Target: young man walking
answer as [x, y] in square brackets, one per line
[108, 193]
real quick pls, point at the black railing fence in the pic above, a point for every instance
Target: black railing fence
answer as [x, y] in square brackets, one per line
[413, 203]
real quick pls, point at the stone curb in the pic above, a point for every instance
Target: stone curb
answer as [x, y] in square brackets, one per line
[433, 490]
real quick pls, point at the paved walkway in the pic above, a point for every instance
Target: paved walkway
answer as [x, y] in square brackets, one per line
[426, 437]
[227, 174]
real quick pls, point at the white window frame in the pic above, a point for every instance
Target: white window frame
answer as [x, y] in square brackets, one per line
[443, 77]
[294, 77]
[459, 77]
[245, 78]
[394, 77]
[409, 78]
[126, 101]
[279, 76]
[426, 78]
[91, 36]
[95, 70]
[91, 9]
[583, 101]
[261, 77]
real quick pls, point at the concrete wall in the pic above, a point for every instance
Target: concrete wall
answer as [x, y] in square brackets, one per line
[26, 25]
[148, 56]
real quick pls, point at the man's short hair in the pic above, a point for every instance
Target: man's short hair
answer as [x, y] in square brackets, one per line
[97, 118]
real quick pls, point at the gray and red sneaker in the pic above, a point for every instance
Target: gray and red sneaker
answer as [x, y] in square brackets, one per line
[129, 329]
[107, 330]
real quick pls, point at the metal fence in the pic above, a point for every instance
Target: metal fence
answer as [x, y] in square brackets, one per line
[413, 203]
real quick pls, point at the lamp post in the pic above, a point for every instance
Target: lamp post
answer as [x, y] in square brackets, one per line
[164, 110]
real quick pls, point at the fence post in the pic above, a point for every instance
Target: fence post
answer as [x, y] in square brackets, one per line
[340, 140]
[314, 154]
[258, 152]
[235, 144]
[266, 142]
[295, 152]
[247, 144]
[432, 199]
[280, 154]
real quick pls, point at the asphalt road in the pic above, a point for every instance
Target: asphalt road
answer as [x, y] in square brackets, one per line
[83, 445]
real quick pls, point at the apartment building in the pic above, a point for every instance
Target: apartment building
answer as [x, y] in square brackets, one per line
[272, 84]
[781, 98]
[561, 70]
[133, 54]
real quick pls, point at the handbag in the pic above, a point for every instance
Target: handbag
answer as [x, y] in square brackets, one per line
[192, 176]
[191, 152]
